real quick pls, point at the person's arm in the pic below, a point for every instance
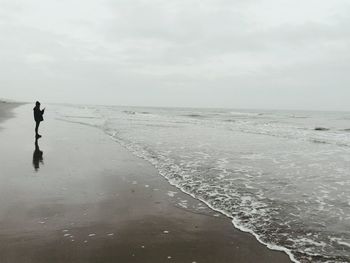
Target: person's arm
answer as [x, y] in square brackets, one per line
[43, 110]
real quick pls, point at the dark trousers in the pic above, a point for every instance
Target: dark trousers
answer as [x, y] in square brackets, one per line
[37, 123]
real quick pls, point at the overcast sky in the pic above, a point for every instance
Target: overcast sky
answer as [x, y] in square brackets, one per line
[200, 53]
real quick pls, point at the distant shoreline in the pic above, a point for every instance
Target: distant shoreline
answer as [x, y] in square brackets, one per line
[6, 108]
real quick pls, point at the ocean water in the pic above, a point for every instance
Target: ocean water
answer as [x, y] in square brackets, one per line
[283, 176]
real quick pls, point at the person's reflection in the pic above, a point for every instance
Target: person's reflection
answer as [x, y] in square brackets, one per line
[37, 156]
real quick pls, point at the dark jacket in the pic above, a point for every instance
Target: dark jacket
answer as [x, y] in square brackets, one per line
[38, 114]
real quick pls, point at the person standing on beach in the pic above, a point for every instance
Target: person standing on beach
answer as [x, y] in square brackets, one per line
[38, 117]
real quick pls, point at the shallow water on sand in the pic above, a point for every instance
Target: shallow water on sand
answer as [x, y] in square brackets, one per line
[281, 175]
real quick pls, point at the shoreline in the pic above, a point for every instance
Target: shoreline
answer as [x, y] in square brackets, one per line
[90, 188]
[6, 110]
[235, 224]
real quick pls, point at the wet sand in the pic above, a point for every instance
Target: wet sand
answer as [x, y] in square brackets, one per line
[6, 110]
[92, 201]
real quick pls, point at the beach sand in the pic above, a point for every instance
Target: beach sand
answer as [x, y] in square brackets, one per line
[93, 201]
[6, 110]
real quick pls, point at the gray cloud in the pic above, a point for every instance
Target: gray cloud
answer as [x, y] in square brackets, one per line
[256, 53]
